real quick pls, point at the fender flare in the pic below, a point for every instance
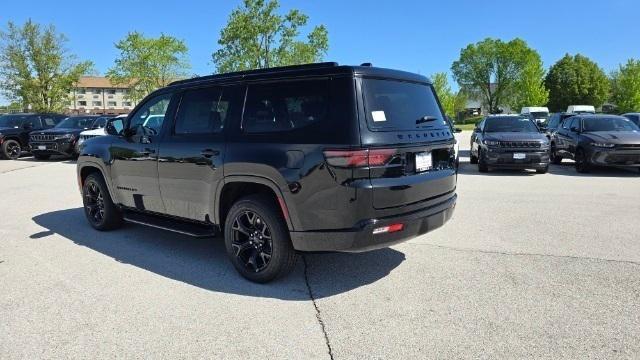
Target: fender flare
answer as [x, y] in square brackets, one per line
[284, 196]
[103, 171]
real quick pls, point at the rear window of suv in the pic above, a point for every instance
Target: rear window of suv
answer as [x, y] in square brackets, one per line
[400, 105]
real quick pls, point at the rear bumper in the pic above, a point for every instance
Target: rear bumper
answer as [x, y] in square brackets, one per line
[505, 159]
[362, 238]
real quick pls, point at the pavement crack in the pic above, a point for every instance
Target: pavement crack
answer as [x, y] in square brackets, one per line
[23, 168]
[470, 250]
[315, 305]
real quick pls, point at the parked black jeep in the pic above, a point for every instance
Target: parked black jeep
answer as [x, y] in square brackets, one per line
[15, 129]
[315, 157]
[61, 139]
[509, 142]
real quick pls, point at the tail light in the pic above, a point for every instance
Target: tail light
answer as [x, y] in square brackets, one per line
[359, 158]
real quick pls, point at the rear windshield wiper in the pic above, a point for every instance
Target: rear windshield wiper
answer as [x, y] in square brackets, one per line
[425, 119]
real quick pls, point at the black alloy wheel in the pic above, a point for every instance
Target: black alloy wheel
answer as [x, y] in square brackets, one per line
[582, 163]
[94, 203]
[257, 239]
[252, 241]
[555, 159]
[12, 149]
[99, 209]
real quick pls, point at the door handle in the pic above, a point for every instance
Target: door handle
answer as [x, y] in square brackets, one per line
[210, 153]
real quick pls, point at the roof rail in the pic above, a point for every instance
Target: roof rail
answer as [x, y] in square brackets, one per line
[257, 71]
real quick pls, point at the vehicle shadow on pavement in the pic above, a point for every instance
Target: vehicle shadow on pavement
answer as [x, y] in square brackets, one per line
[204, 263]
[567, 168]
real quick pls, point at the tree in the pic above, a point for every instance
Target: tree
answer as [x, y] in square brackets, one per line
[257, 37]
[529, 89]
[576, 80]
[452, 103]
[35, 67]
[625, 86]
[491, 68]
[146, 64]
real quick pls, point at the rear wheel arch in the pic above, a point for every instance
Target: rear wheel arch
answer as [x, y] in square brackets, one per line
[240, 186]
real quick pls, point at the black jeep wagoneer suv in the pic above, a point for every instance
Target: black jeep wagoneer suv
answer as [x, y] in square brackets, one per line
[316, 157]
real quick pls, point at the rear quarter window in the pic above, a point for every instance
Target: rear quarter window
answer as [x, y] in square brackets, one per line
[399, 105]
[304, 111]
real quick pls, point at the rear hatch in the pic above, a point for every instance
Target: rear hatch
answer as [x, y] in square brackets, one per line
[410, 144]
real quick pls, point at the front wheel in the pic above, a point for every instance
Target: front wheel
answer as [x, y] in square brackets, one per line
[555, 159]
[257, 239]
[99, 209]
[11, 149]
[582, 163]
[482, 165]
[544, 170]
[472, 159]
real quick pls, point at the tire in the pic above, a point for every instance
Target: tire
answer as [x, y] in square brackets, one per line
[482, 166]
[11, 149]
[472, 159]
[582, 163]
[257, 239]
[99, 209]
[41, 157]
[544, 170]
[555, 159]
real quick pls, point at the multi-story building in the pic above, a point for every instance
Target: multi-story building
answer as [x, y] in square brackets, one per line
[97, 95]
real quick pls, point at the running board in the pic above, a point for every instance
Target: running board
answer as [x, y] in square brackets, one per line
[169, 224]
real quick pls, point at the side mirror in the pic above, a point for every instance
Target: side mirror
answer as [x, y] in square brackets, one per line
[114, 127]
[476, 130]
[457, 130]
[27, 126]
[575, 129]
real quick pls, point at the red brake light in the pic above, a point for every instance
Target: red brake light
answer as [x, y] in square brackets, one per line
[358, 158]
[389, 229]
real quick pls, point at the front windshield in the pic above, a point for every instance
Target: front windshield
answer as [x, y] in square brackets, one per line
[76, 122]
[509, 124]
[12, 121]
[609, 124]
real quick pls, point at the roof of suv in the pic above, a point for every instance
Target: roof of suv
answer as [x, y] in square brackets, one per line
[317, 69]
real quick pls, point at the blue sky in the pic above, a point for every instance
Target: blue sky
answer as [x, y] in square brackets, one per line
[418, 36]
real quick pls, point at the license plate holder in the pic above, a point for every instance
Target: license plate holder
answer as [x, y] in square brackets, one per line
[42, 147]
[424, 161]
[519, 156]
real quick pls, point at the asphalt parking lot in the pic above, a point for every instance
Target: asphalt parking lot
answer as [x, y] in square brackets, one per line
[530, 266]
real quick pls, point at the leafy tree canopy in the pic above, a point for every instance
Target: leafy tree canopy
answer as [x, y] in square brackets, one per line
[576, 80]
[257, 36]
[625, 86]
[35, 67]
[146, 64]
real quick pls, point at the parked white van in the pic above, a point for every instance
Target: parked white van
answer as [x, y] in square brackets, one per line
[581, 109]
[539, 114]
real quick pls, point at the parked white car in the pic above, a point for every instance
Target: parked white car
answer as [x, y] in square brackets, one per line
[88, 134]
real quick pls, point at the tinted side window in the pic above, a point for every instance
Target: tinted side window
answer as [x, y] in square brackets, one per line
[286, 106]
[149, 118]
[34, 121]
[202, 111]
[566, 123]
[49, 121]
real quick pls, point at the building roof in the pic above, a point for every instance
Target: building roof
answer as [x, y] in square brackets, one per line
[97, 82]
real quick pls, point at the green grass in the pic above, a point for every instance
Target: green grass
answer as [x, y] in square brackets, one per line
[465, 126]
